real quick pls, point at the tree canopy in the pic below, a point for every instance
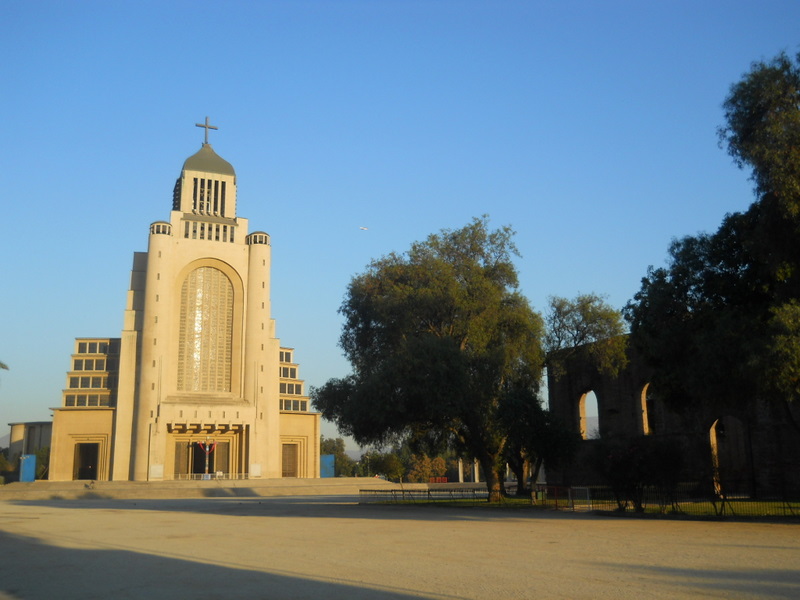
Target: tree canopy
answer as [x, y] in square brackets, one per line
[698, 322]
[587, 321]
[435, 338]
[720, 322]
[762, 128]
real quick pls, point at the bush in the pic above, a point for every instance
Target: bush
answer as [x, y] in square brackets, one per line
[631, 464]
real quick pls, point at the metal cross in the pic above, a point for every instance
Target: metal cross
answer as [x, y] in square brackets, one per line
[206, 126]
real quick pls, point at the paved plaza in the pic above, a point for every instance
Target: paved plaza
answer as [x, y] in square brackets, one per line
[330, 547]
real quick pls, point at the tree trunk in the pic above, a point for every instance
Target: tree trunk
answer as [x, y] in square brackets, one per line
[493, 482]
[520, 475]
[518, 466]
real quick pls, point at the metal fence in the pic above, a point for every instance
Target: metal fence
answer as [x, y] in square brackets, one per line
[687, 499]
[392, 496]
[690, 499]
[210, 476]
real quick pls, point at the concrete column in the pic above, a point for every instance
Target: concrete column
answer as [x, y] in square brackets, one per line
[261, 361]
[153, 343]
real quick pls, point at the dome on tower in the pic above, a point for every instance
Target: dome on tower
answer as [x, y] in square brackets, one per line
[208, 161]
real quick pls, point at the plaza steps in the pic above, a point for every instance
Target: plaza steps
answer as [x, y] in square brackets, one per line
[215, 488]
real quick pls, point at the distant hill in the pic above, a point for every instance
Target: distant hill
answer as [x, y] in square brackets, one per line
[4, 440]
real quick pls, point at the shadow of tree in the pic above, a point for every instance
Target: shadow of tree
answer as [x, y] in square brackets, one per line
[34, 570]
[751, 583]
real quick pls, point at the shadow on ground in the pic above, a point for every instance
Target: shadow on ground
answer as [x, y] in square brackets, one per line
[755, 583]
[32, 570]
[316, 507]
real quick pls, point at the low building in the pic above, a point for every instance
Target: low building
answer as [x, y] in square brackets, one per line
[28, 438]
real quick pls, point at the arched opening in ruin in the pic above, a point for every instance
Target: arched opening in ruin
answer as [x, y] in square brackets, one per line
[589, 416]
[730, 457]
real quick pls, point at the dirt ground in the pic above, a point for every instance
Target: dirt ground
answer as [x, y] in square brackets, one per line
[331, 547]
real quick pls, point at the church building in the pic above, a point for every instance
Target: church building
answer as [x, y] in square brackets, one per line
[197, 385]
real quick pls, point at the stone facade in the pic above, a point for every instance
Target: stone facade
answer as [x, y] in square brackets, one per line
[753, 451]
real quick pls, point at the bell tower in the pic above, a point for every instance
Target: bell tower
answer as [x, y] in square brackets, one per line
[205, 350]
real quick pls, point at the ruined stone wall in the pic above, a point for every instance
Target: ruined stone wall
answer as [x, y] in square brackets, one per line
[757, 451]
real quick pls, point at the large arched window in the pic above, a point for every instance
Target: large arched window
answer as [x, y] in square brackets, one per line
[206, 332]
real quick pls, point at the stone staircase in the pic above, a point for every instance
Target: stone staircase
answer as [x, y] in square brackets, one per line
[215, 488]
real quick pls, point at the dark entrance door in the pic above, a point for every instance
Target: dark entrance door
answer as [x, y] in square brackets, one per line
[86, 459]
[290, 460]
[222, 458]
[182, 452]
[199, 459]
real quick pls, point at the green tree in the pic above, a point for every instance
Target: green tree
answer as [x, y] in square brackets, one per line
[699, 321]
[585, 321]
[344, 466]
[782, 353]
[365, 465]
[762, 130]
[724, 312]
[535, 437]
[629, 465]
[433, 337]
[390, 465]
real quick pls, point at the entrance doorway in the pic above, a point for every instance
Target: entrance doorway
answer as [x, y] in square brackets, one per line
[200, 460]
[86, 459]
[190, 459]
[289, 456]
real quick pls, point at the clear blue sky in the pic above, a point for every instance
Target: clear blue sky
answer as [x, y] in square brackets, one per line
[589, 127]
